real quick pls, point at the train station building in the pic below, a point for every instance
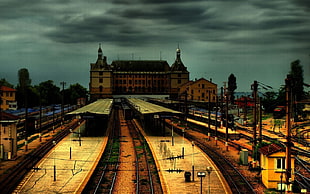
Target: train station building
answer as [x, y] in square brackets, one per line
[136, 77]
[8, 136]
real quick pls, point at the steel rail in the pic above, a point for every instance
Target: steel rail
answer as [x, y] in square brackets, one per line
[238, 183]
[134, 128]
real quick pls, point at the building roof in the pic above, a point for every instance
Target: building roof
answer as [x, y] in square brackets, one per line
[271, 149]
[7, 89]
[189, 83]
[99, 107]
[178, 64]
[241, 101]
[141, 66]
[148, 108]
[5, 117]
[203, 80]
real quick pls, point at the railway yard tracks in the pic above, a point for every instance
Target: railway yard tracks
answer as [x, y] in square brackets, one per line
[236, 181]
[127, 165]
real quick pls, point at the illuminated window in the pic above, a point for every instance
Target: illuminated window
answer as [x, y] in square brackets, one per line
[280, 163]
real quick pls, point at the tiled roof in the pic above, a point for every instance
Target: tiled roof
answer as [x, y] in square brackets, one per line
[6, 116]
[5, 88]
[141, 66]
[270, 149]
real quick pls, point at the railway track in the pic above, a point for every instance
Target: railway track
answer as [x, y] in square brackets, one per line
[13, 177]
[104, 176]
[236, 181]
[123, 165]
[302, 173]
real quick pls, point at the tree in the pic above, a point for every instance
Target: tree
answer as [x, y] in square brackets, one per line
[298, 80]
[3, 82]
[24, 82]
[270, 101]
[74, 92]
[297, 76]
[232, 86]
[49, 93]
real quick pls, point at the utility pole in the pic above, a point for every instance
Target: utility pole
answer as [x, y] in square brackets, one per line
[245, 110]
[260, 121]
[40, 117]
[63, 99]
[226, 113]
[209, 115]
[222, 102]
[254, 88]
[288, 94]
[216, 112]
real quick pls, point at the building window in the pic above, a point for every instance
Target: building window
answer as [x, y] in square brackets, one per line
[280, 163]
[179, 81]
[202, 85]
[179, 75]
[100, 73]
[100, 80]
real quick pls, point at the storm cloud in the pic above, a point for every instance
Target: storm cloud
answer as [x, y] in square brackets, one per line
[255, 40]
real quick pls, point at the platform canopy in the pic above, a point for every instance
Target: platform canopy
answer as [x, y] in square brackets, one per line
[148, 108]
[99, 107]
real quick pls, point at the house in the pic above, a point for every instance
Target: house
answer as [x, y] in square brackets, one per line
[8, 136]
[199, 90]
[7, 96]
[273, 164]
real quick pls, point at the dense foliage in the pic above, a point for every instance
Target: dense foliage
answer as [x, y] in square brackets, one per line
[46, 93]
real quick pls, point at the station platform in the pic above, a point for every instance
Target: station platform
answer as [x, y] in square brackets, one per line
[71, 174]
[174, 182]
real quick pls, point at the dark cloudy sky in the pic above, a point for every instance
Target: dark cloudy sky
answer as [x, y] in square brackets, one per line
[58, 39]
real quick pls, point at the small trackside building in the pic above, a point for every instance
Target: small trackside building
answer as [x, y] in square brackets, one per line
[8, 136]
[273, 160]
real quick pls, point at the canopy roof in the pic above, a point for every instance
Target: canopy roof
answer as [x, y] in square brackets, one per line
[100, 107]
[149, 108]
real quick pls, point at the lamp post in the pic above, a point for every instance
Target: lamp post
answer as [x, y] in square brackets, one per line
[80, 133]
[201, 175]
[172, 138]
[54, 154]
[281, 176]
[193, 167]
[70, 142]
[209, 170]
[183, 131]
